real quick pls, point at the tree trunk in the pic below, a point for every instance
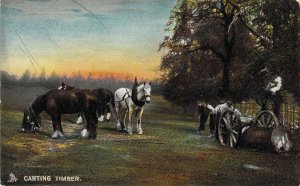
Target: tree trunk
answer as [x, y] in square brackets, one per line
[277, 103]
[226, 79]
[229, 41]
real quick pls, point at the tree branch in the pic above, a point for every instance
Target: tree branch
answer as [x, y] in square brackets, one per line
[211, 48]
[264, 41]
[234, 5]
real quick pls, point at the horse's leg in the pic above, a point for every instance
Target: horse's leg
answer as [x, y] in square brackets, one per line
[129, 127]
[119, 127]
[80, 118]
[100, 114]
[85, 132]
[61, 132]
[139, 121]
[101, 109]
[123, 120]
[94, 116]
[108, 110]
[91, 125]
[56, 122]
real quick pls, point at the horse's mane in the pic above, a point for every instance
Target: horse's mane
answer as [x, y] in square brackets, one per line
[135, 94]
[39, 101]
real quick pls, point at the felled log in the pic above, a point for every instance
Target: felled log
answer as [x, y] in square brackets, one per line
[278, 139]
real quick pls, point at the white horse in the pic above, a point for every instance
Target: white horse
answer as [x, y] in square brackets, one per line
[128, 101]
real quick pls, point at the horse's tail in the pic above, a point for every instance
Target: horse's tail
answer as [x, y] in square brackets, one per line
[100, 100]
[113, 105]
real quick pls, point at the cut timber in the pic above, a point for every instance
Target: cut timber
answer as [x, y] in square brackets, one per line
[278, 139]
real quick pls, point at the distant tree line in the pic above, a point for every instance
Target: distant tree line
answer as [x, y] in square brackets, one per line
[229, 49]
[77, 80]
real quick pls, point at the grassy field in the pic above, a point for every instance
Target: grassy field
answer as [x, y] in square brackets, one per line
[170, 152]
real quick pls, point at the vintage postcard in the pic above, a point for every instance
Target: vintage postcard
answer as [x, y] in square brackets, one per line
[150, 92]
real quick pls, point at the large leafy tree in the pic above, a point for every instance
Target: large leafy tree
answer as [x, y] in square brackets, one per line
[206, 45]
[275, 26]
[230, 48]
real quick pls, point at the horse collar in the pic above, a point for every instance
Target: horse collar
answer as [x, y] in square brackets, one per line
[140, 103]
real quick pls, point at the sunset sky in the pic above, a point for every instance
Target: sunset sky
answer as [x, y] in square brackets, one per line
[95, 36]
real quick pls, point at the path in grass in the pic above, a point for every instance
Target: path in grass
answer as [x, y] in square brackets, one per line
[168, 153]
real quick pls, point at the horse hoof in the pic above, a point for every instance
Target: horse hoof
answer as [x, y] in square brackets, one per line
[60, 135]
[79, 120]
[129, 132]
[140, 132]
[101, 118]
[54, 136]
[57, 134]
[107, 117]
[85, 133]
[37, 130]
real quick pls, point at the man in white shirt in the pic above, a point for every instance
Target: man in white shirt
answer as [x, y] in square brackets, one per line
[206, 110]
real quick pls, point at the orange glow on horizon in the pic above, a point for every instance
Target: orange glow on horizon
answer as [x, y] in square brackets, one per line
[107, 65]
[106, 74]
[98, 74]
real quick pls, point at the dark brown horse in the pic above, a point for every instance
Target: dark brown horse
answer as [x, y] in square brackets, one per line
[107, 98]
[57, 102]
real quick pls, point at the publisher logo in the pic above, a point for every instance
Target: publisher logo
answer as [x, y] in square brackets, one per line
[13, 178]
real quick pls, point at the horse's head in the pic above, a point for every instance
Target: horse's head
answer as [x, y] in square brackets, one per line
[147, 92]
[141, 94]
[30, 122]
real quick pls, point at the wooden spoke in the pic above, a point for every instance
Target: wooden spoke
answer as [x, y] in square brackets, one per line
[266, 119]
[228, 129]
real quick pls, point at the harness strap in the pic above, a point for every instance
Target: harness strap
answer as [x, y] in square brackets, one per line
[126, 100]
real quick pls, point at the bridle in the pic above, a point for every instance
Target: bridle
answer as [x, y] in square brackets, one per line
[32, 115]
[145, 96]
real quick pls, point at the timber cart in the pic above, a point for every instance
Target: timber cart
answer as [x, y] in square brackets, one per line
[229, 125]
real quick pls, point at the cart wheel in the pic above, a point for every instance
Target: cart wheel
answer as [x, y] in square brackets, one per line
[266, 119]
[229, 129]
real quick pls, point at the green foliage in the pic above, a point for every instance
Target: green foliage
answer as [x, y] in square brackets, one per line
[229, 49]
[206, 41]
[276, 50]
